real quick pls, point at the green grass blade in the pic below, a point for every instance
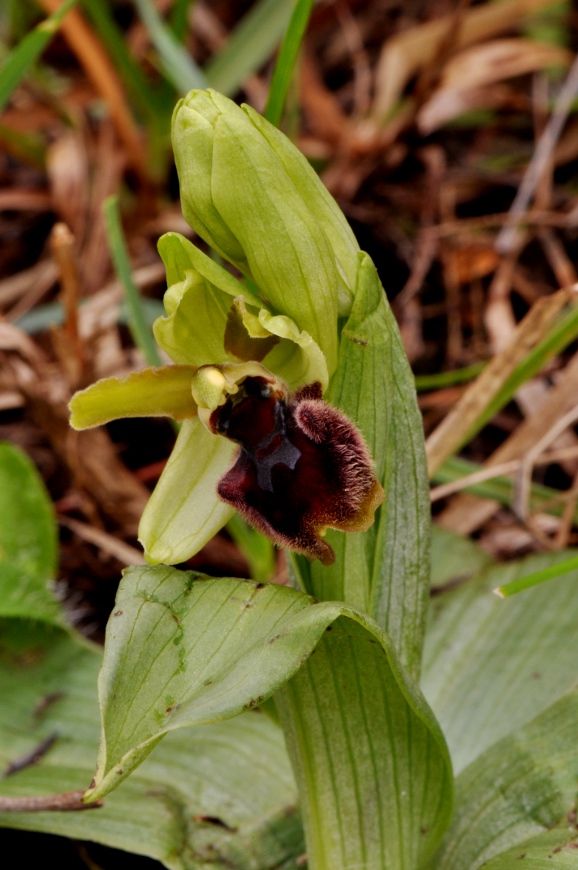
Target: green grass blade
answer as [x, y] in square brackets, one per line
[176, 63]
[140, 90]
[28, 51]
[179, 18]
[252, 43]
[137, 318]
[564, 331]
[286, 61]
[535, 579]
[438, 381]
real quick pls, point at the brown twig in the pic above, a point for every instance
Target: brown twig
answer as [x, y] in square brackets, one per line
[451, 433]
[507, 239]
[64, 802]
[33, 757]
[503, 470]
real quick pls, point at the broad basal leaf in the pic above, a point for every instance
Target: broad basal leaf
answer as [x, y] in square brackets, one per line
[28, 540]
[186, 650]
[385, 570]
[454, 559]
[556, 848]
[491, 665]
[220, 796]
[516, 804]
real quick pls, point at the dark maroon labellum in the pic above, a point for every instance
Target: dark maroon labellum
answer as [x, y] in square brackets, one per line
[303, 466]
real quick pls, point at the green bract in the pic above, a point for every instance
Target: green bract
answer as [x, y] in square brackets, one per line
[254, 198]
[250, 194]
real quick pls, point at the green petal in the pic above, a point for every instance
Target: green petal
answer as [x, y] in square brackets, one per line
[179, 255]
[194, 329]
[199, 304]
[184, 511]
[164, 392]
[297, 359]
[245, 336]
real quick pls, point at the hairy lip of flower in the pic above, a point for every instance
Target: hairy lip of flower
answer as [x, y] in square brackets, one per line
[302, 466]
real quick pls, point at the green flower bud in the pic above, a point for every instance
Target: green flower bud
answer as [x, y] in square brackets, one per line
[250, 194]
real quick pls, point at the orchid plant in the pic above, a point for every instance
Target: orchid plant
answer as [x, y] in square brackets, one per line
[298, 410]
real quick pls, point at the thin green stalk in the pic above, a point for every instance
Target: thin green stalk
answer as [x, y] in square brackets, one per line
[137, 319]
[286, 60]
[177, 64]
[538, 577]
[423, 383]
[28, 51]
[140, 89]
[257, 549]
[500, 489]
[179, 18]
[250, 46]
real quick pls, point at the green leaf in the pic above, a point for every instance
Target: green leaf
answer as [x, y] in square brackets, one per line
[370, 763]
[492, 665]
[454, 558]
[184, 511]
[220, 796]
[384, 571]
[251, 44]
[509, 799]
[185, 650]
[28, 541]
[557, 847]
[21, 58]
[285, 65]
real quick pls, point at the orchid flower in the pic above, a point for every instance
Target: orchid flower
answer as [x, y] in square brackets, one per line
[252, 358]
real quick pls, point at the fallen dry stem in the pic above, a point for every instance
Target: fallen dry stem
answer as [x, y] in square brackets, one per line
[448, 437]
[68, 800]
[505, 469]
[507, 239]
[522, 488]
[466, 512]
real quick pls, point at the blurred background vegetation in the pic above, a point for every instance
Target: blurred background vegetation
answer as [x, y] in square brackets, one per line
[448, 132]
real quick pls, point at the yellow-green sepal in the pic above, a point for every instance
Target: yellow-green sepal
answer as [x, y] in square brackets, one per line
[152, 392]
